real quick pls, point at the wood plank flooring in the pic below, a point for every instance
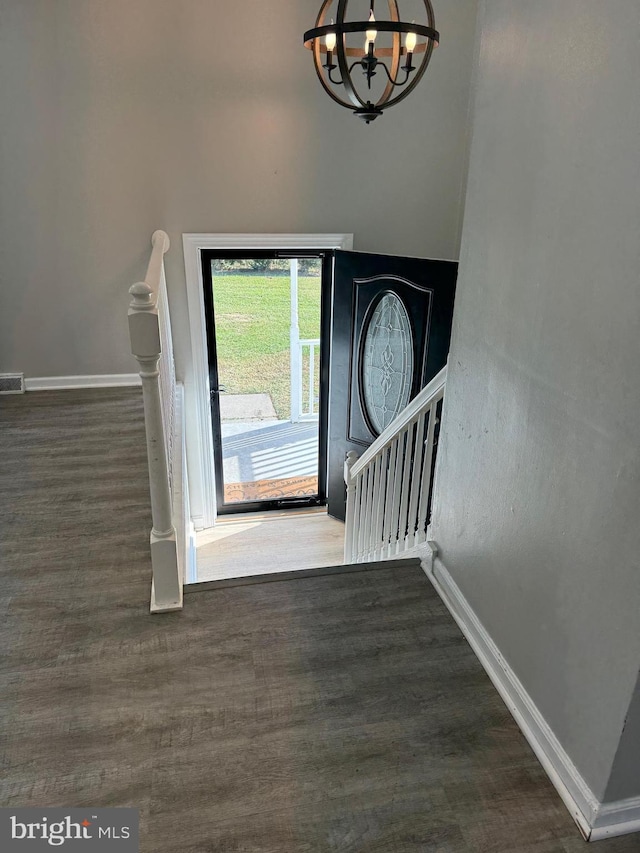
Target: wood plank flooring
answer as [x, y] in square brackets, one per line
[341, 713]
[249, 544]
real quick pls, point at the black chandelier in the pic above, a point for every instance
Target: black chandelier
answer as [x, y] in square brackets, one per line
[407, 47]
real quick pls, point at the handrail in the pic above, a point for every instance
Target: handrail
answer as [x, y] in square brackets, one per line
[147, 331]
[161, 244]
[400, 422]
[389, 487]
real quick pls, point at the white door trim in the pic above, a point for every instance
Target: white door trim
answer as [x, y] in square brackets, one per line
[197, 393]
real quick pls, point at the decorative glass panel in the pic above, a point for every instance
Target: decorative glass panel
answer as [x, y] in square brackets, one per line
[387, 362]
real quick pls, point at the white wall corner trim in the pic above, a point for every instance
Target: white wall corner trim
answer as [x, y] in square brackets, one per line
[594, 819]
[64, 383]
[196, 380]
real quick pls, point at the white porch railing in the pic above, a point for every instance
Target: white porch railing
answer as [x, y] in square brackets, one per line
[304, 401]
[151, 344]
[389, 487]
[306, 406]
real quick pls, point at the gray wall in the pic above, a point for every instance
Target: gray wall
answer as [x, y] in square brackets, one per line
[626, 767]
[123, 116]
[539, 476]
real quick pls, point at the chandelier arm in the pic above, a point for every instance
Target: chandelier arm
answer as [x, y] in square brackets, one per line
[420, 70]
[391, 80]
[334, 97]
[335, 82]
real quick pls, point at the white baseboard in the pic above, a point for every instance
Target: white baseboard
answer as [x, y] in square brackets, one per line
[191, 567]
[181, 505]
[595, 820]
[167, 607]
[619, 818]
[64, 383]
[198, 522]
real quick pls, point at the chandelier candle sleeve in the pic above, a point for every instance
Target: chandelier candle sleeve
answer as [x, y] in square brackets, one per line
[337, 45]
[330, 42]
[409, 46]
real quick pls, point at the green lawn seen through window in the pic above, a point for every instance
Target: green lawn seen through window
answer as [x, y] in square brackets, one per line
[252, 317]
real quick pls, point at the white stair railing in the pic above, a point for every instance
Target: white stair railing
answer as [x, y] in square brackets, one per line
[389, 487]
[151, 344]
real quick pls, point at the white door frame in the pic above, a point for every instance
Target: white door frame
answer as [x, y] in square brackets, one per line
[199, 439]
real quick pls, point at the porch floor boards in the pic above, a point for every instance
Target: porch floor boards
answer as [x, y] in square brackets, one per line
[340, 713]
[269, 450]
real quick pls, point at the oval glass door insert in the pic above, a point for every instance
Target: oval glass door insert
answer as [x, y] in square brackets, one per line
[387, 362]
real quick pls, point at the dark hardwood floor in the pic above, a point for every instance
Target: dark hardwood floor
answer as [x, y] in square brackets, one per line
[340, 713]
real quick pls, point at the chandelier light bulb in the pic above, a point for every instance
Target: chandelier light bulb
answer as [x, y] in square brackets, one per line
[370, 34]
[410, 42]
[330, 41]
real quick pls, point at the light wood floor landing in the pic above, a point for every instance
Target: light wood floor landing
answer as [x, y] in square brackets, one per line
[335, 714]
[252, 544]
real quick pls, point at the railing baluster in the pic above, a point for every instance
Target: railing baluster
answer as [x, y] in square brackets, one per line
[350, 509]
[365, 506]
[369, 509]
[312, 356]
[374, 504]
[367, 512]
[406, 478]
[416, 481]
[357, 515]
[388, 498]
[312, 344]
[376, 539]
[397, 493]
[363, 512]
[426, 474]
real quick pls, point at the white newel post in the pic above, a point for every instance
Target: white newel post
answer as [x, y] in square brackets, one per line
[144, 331]
[294, 346]
[349, 462]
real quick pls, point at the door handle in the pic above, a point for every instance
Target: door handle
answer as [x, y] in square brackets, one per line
[219, 390]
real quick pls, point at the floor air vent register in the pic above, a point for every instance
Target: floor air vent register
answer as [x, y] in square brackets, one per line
[11, 383]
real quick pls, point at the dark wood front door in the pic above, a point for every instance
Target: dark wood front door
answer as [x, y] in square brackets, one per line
[391, 326]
